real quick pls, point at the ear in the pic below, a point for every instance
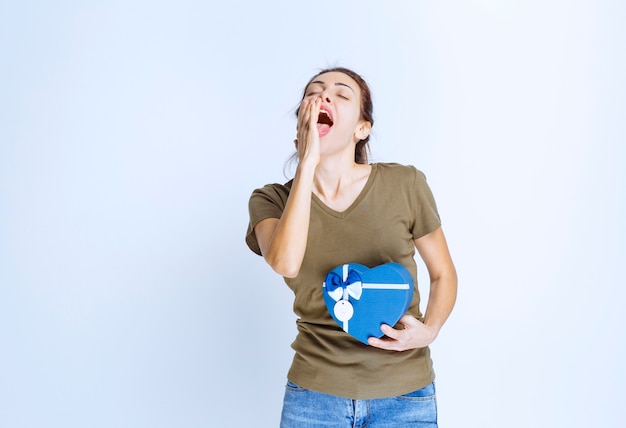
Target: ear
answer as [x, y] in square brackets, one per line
[363, 130]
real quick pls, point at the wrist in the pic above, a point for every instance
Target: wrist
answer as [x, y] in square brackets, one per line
[306, 168]
[433, 330]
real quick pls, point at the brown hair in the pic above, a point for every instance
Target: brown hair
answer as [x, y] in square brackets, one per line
[367, 108]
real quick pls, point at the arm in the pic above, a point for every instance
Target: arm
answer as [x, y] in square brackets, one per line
[283, 241]
[443, 287]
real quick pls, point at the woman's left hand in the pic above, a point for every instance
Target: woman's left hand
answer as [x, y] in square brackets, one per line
[415, 334]
[443, 283]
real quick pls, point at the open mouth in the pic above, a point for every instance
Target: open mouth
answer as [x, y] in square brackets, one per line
[324, 118]
[324, 121]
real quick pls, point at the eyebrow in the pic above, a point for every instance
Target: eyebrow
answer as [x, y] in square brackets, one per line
[336, 84]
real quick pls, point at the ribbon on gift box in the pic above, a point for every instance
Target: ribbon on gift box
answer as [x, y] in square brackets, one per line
[350, 285]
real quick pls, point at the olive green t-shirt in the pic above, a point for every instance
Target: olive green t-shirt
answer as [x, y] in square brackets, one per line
[395, 207]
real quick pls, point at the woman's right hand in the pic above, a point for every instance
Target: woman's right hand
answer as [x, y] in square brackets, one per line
[283, 241]
[308, 139]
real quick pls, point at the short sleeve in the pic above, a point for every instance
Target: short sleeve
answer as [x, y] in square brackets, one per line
[426, 216]
[266, 202]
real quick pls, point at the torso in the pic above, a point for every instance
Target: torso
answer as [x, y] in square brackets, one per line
[375, 221]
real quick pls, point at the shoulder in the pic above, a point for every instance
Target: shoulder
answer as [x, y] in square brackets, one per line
[274, 192]
[265, 202]
[399, 172]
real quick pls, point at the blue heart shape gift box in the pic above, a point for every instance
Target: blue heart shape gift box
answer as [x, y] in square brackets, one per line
[361, 299]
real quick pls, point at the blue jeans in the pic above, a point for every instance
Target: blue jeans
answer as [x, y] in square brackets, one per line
[303, 408]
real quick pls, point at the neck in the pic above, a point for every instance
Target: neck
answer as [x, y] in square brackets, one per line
[335, 174]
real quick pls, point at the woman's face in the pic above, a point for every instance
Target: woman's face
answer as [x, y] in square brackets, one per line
[340, 112]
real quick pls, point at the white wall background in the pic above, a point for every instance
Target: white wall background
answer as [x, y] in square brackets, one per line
[132, 133]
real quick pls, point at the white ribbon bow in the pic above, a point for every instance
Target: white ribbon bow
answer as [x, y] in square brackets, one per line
[346, 289]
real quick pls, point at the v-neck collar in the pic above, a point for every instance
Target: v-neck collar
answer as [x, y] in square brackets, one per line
[362, 195]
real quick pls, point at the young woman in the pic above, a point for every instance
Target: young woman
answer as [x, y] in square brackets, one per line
[340, 209]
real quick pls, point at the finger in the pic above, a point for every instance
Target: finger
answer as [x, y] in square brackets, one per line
[302, 127]
[303, 122]
[307, 120]
[379, 343]
[389, 345]
[315, 111]
[303, 112]
[391, 332]
[304, 131]
[304, 116]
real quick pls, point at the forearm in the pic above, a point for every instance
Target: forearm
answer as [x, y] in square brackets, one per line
[287, 245]
[441, 300]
